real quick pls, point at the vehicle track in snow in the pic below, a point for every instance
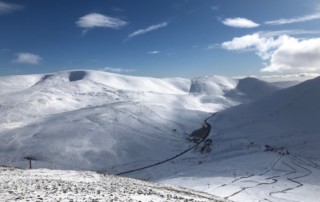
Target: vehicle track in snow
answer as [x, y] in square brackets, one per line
[205, 130]
[306, 162]
[296, 166]
[273, 180]
[233, 181]
[293, 179]
[161, 162]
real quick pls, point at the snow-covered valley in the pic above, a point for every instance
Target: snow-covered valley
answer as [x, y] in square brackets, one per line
[97, 121]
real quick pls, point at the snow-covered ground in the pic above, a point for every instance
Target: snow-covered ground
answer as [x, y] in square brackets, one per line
[89, 120]
[56, 185]
[252, 175]
[266, 150]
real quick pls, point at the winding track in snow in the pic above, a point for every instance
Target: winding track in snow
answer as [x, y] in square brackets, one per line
[273, 178]
[293, 179]
[297, 162]
[205, 130]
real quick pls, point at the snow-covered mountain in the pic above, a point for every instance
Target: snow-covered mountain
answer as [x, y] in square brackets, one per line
[90, 120]
[67, 91]
[287, 118]
[231, 90]
[95, 120]
[264, 150]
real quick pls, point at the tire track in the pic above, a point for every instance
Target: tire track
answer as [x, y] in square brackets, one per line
[159, 163]
[250, 187]
[293, 179]
[244, 177]
[233, 181]
[273, 178]
[293, 170]
[308, 163]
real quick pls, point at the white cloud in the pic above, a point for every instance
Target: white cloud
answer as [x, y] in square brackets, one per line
[305, 18]
[117, 70]
[153, 52]
[288, 32]
[296, 55]
[240, 23]
[28, 58]
[283, 54]
[93, 20]
[148, 29]
[6, 8]
[263, 46]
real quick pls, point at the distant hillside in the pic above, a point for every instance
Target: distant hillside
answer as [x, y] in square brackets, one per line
[287, 118]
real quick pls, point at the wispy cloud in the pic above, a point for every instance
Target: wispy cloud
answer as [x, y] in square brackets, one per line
[314, 16]
[154, 52]
[93, 20]
[27, 58]
[240, 23]
[148, 29]
[117, 9]
[117, 70]
[6, 8]
[213, 46]
[214, 8]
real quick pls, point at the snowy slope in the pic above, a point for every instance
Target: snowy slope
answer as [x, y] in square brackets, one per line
[239, 166]
[27, 97]
[228, 90]
[100, 121]
[50, 185]
[250, 88]
[99, 138]
[66, 91]
[288, 118]
[285, 84]
[89, 120]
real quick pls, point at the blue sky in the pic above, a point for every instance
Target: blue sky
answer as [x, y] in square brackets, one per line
[161, 38]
